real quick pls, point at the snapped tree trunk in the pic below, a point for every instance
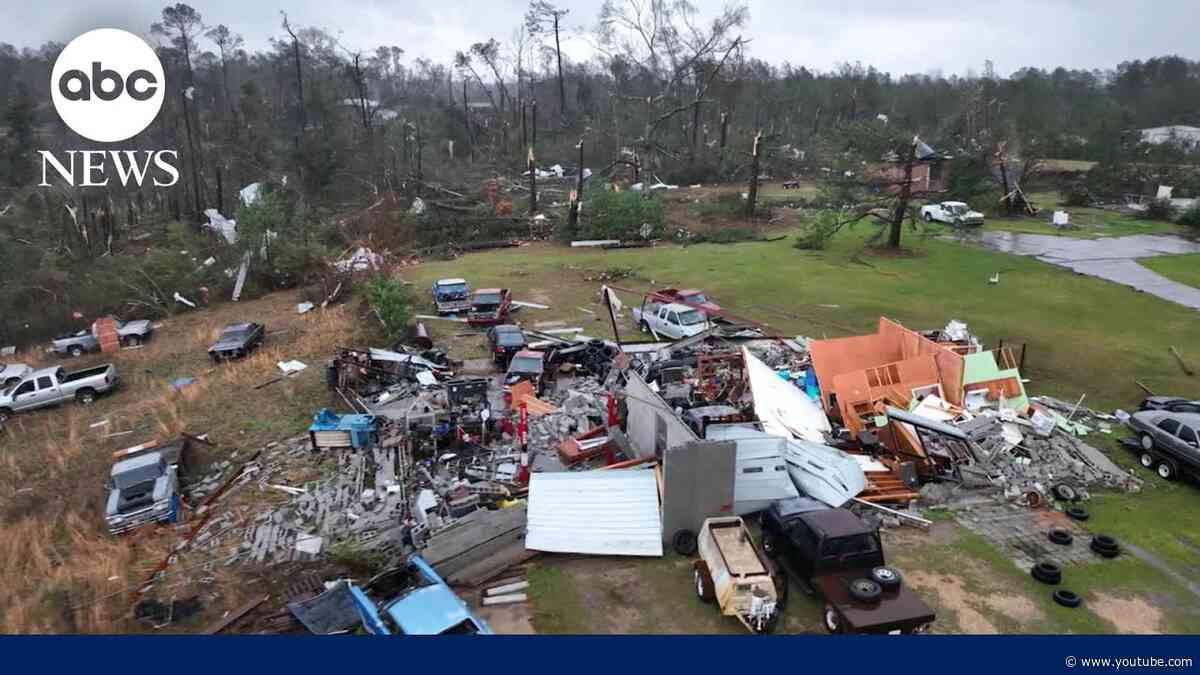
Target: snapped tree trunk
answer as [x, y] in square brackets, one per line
[897, 224]
[562, 90]
[752, 192]
[573, 214]
[532, 159]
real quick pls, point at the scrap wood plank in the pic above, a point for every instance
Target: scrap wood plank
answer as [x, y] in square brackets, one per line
[522, 392]
[234, 616]
[1182, 364]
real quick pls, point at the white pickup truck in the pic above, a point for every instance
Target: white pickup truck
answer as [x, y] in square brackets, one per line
[51, 386]
[671, 320]
[951, 213]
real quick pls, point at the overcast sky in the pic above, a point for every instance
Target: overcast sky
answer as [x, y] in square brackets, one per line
[926, 37]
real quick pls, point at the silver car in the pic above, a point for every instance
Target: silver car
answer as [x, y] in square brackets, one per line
[1170, 442]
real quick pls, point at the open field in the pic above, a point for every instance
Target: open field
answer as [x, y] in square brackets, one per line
[1182, 268]
[66, 573]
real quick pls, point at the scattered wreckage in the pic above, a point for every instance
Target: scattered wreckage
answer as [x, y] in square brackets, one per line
[455, 472]
[127, 333]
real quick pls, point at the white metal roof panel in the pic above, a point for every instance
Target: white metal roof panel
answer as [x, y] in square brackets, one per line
[595, 512]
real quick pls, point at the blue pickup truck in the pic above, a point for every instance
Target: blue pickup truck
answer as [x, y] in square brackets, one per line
[413, 600]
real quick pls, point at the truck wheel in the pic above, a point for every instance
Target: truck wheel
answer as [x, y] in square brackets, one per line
[928, 217]
[75, 351]
[85, 396]
[1147, 441]
[1065, 492]
[133, 341]
[1046, 572]
[1106, 546]
[833, 621]
[684, 543]
[1147, 460]
[865, 590]
[703, 582]
[1166, 470]
[645, 327]
[887, 577]
[5, 413]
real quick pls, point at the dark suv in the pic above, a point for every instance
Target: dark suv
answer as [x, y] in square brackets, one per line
[504, 341]
[833, 554]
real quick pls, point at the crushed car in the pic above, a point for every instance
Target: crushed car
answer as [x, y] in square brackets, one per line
[527, 366]
[504, 341]
[129, 333]
[414, 600]
[489, 306]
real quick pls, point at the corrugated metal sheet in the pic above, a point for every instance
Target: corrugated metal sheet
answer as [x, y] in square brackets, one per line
[595, 512]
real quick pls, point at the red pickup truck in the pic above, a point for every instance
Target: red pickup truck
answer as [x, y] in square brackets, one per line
[489, 306]
[692, 297]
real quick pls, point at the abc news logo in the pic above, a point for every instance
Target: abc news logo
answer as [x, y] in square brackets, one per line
[108, 86]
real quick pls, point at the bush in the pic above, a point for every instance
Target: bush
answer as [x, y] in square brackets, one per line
[818, 232]
[1076, 195]
[1160, 209]
[1191, 217]
[616, 215]
[389, 299]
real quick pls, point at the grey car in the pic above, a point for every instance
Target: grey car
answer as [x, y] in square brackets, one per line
[237, 340]
[1169, 441]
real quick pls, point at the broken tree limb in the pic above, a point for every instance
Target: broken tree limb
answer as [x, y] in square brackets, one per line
[1182, 364]
[1144, 388]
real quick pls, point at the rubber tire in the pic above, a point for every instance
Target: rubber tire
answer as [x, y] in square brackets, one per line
[865, 590]
[1077, 513]
[1066, 598]
[1046, 572]
[833, 621]
[645, 327]
[85, 396]
[684, 543]
[1166, 470]
[5, 415]
[887, 577]
[133, 341]
[929, 217]
[1146, 441]
[1065, 492]
[1106, 546]
[1060, 537]
[1146, 460]
[702, 582]
[75, 351]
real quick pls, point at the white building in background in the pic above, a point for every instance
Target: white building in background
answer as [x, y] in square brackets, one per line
[1180, 134]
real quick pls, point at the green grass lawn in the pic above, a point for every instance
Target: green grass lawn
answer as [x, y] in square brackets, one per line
[1182, 268]
[1084, 335]
[1089, 223]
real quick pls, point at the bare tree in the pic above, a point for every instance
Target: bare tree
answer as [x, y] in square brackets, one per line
[182, 25]
[540, 18]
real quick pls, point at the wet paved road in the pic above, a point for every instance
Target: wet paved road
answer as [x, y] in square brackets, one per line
[1111, 258]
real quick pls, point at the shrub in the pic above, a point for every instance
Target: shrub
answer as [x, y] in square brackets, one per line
[389, 299]
[1160, 209]
[1191, 217]
[616, 215]
[818, 232]
[1076, 195]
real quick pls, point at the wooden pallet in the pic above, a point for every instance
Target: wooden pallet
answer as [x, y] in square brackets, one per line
[886, 487]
